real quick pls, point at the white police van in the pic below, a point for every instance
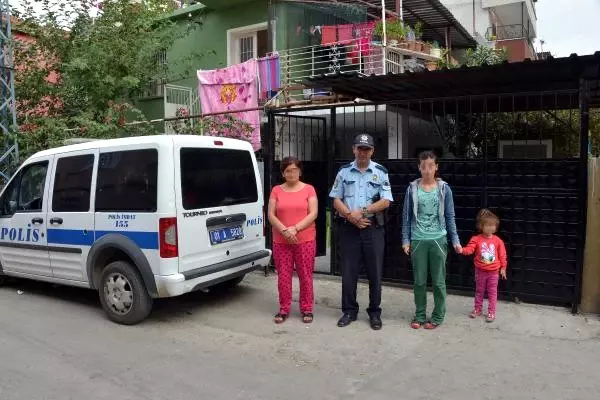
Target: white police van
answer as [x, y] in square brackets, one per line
[135, 218]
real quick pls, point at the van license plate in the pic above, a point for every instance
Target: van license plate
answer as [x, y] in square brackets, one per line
[226, 234]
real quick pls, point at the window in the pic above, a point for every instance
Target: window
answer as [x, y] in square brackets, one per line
[25, 193]
[216, 178]
[127, 181]
[247, 42]
[73, 183]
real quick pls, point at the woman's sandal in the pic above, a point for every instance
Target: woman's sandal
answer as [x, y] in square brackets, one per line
[307, 317]
[415, 325]
[280, 318]
[431, 325]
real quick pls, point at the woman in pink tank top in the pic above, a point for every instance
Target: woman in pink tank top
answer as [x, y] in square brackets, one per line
[292, 214]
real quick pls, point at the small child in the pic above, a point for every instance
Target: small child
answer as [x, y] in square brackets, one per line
[490, 257]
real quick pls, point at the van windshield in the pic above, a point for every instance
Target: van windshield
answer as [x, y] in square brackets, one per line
[216, 178]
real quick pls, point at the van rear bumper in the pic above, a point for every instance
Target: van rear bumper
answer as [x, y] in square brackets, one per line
[200, 278]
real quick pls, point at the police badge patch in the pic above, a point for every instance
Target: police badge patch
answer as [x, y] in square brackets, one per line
[374, 178]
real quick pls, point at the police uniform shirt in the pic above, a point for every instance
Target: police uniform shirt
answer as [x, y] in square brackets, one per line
[357, 190]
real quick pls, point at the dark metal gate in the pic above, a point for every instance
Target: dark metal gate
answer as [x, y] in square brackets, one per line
[304, 137]
[515, 144]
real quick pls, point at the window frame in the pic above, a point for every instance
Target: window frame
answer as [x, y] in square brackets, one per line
[126, 150]
[19, 177]
[56, 161]
[255, 186]
[235, 34]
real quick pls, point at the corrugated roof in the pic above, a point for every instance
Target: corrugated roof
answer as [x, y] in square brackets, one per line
[432, 13]
[527, 76]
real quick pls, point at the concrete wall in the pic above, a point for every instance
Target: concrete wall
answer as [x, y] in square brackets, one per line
[518, 49]
[211, 41]
[590, 296]
[463, 12]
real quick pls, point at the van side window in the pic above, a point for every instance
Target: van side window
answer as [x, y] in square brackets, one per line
[216, 178]
[127, 181]
[73, 183]
[26, 192]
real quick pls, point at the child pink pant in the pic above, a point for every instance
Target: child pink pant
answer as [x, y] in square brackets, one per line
[486, 281]
[303, 256]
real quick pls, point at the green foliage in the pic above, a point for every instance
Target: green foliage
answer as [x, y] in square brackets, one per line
[395, 30]
[218, 125]
[82, 70]
[484, 55]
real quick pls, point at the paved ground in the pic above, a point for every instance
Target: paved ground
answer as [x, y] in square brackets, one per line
[56, 344]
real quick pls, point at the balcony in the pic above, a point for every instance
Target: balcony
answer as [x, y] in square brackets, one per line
[358, 55]
[508, 32]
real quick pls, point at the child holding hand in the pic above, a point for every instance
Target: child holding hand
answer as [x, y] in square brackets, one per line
[490, 262]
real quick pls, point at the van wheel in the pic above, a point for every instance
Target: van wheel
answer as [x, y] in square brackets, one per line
[123, 294]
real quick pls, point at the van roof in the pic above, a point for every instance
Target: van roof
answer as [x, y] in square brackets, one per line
[168, 140]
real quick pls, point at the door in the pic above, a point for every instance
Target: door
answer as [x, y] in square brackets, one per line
[220, 215]
[23, 206]
[70, 215]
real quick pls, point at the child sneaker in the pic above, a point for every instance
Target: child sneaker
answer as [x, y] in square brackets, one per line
[490, 317]
[475, 313]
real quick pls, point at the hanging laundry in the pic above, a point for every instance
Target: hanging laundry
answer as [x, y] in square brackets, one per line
[329, 35]
[232, 89]
[365, 30]
[269, 78]
[360, 51]
[345, 33]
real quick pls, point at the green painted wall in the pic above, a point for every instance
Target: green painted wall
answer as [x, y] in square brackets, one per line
[212, 36]
[211, 40]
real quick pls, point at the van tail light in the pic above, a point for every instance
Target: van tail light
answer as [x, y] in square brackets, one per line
[264, 225]
[168, 237]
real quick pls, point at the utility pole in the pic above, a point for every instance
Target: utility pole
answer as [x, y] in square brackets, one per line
[8, 113]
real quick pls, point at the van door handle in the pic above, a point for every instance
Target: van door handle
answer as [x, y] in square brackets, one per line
[58, 221]
[37, 220]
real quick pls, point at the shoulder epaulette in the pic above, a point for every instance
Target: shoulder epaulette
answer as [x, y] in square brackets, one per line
[381, 167]
[346, 166]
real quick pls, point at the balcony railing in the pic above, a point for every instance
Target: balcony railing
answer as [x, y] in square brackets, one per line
[357, 55]
[507, 32]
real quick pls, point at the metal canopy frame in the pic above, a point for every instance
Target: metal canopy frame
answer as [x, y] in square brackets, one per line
[436, 18]
[526, 76]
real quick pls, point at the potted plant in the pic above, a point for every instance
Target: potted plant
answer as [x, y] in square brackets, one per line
[427, 46]
[396, 33]
[435, 50]
[418, 29]
[378, 32]
[411, 38]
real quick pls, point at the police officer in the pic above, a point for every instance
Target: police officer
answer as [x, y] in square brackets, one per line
[361, 194]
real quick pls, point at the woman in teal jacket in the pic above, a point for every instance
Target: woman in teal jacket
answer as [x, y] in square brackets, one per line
[427, 222]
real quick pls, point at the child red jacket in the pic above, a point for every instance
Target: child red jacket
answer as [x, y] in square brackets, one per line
[490, 253]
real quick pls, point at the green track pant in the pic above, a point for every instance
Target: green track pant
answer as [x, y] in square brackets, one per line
[429, 255]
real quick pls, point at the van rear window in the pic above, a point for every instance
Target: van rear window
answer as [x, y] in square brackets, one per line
[216, 178]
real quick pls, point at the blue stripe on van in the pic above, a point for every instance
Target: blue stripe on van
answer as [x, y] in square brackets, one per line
[76, 237]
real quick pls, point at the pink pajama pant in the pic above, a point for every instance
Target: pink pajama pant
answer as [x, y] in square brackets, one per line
[303, 256]
[486, 281]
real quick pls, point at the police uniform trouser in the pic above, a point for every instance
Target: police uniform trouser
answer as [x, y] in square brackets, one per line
[361, 247]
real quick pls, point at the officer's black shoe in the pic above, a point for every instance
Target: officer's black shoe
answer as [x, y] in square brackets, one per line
[346, 320]
[376, 323]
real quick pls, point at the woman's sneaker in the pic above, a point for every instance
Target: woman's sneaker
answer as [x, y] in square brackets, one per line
[475, 313]
[490, 317]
